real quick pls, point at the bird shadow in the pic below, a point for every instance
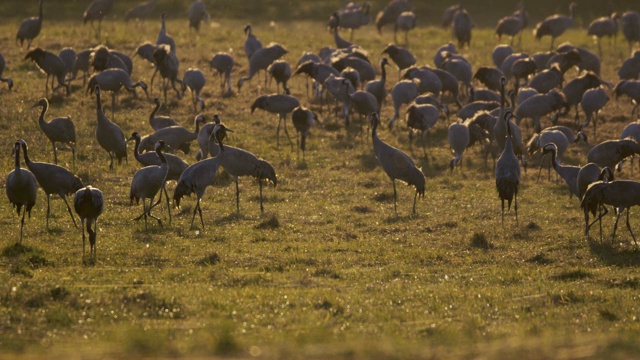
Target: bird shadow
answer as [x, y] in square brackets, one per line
[230, 218]
[611, 254]
[16, 250]
[368, 161]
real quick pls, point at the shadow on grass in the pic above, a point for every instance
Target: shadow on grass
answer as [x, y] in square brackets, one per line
[229, 218]
[16, 250]
[611, 255]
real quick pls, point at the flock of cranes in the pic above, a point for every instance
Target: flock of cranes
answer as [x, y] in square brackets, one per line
[343, 76]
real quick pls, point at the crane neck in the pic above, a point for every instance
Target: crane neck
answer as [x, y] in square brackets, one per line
[17, 160]
[41, 121]
[383, 76]
[40, 17]
[163, 160]
[502, 96]
[155, 110]
[136, 148]
[25, 151]
[553, 159]
[374, 129]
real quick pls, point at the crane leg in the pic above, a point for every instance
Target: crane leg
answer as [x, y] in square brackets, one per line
[287, 132]
[515, 206]
[92, 239]
[200, 213]
[395, 195]
[48, 210]
[629, 227]
[83, 239]
[73, 156]
[69, 209]
[278, 132]
[24, 211]
[152, 77]
[111, 163]
[502, 200]
[168, 203]
[55, 153]
[615, 224]
[237, 197]
[415, 197]
[261, 207]
[194, 212]
[151, 207]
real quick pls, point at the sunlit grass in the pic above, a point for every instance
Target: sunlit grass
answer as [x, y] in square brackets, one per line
[328, 271]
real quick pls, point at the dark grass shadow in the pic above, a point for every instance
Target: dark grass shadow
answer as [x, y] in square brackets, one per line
[233, 217]
[18, 249]
[613, 255]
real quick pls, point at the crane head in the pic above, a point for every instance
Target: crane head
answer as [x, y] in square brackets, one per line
[135, 136]
[42, 103]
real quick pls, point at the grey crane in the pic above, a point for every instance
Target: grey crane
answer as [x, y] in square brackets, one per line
[53, 179]
[522, 69]
[97, 10]
[508, 62]
[593, 174]
[50, 64]
[631, 88]
[82, 63]
[110, 136]
[251, 43]
[422, 117]
[340, 88]
[592, 102]
[141, 11]
[449, 12]
[461, 70]
[462, 26]
[631, 131]
[568, 173]
[511, 25]
[403, 92]
[204, 137]
[449, 84]
[159, 122]
[309, 56]
[113, 80]
[21, 188]
[631, 27]
[352, 75]
[239, 162]
[146, 51]
[175, 137]
[586, 175]
[30, 28]
[429, 81]
[194, 80]
[588, 60]
[489, 76]
[508, 171]
[611, 152]
[630, 68]
[362, 102]
[547, 80]
[317, 71]
[604, 26]
[378, 87]
[280, 104]
[470, 109]
[164, 38]
[261, 59]
[621, 194]
[280, 70]
[499, 53]
[446, 49]
[555, 25]
[483, 94]
[103, 58]
[364, 68]
[147, 182]
[340, 42]
[88, 203]
[402, 57]
[390, 13]
[197, 177]
[575, 89]
[406, 22]
[197, 13]
[540, 105]
[524, 93]
[397, 165]
[352, 16]
[68, 57]
[565, 60]
[302, 119]
[60, 130]
[176, 165]
[2, 78]
[459, 141]
[168, 67]
[223, 63]
[542, 59]
[548, 136]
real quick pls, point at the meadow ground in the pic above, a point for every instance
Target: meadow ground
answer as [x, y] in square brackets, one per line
[328, 271]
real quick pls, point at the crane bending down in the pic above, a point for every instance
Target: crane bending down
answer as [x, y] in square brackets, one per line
[88, 203]
[396, 164]
[197, 177]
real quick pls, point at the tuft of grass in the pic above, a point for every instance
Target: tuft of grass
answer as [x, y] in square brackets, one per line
[270, 223]
[540, 258]
[16, 250]
[572, 275]
[209, 260]
[479, 240]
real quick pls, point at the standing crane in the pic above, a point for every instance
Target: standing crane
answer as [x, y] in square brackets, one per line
[110, 136]
[50, 64]
[97, 10]
[21, 188]
[508, 171]
[57, 130]
[147, 182]
[197, 13]
[251, 43]
[53, 179]
[88, 203]
[280, 104]
[2, 78]
[30, 28]
[197, 177]
[396, 164]
[302, 119]
[555, 25]
[194, 80]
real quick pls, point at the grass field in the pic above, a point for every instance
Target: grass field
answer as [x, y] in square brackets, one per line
[328, 271]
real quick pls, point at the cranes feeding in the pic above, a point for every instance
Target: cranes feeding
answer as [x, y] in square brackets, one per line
[88, 203]
[555, 25]
[147, 182]
[280, 104]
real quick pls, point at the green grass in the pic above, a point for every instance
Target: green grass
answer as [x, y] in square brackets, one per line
[328, 271]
